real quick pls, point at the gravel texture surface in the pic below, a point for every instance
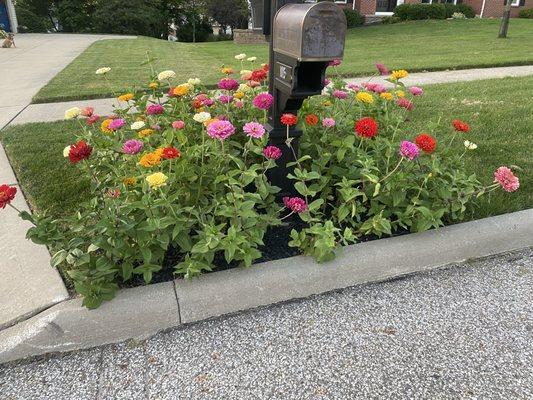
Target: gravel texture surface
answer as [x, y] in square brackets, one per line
[460, 333]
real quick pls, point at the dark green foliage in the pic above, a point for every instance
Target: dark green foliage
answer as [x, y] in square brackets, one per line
[200, 32]
[431, 11]
[353, 18]
[75, 15]
[232, 13]
[30, 22]
[527, 13]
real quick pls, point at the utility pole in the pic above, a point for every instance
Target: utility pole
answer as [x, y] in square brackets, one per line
[505, 19]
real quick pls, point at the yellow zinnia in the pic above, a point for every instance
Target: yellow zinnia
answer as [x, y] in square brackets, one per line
[72, 113]
[126, 97]
[153, 85]
[227, 70]
[150, 160]
[386, 96]
[365, 97]
[399, 74]
[104, 126]
[145, 132]
[400, 93]
[159, 152]
[156, 180]
[238, 95]
[181, 90]
[328, 103]
[129, 181]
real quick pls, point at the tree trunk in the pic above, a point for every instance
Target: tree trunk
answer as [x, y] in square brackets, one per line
[505, 20]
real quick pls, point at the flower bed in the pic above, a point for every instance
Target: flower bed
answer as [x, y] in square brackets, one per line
[186, 168]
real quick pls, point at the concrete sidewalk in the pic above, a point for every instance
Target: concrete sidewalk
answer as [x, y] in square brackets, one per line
[459, 333]
[36, 60]
[55, 111]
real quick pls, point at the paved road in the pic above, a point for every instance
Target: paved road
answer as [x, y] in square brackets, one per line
[460, 333]
[36, 60]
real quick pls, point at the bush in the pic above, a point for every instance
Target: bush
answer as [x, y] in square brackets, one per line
[173, 174]
[408, 12]
[466, 10]
[526, 13]
[390, 20]
[76, 16]
[353, 18]
[202, 32]
[31, 22]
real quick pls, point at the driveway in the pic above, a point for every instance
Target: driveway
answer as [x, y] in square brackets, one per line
[36, 60]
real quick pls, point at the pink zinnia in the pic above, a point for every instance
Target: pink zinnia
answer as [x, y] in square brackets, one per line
[326, 82]
[208, 102]
[416, 91]
[353, 86]
[202, 97]
[178, 124]
[340, 94]
[239, 104]
[375, 87]
[228, 84]
[225, 99]
[409, 150]
[263, 101]
[132, 146]
[116, 124]
[334, 63]
[507, 180]
[295, 204]
[403, 102]
[254, 129]
[92, 119]
[328, 122]
[272, 152]
[154, 109]
[382, 69]
[220, 130]
[87, 111]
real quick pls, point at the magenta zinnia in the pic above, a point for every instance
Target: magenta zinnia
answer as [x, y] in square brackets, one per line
[272, 152]
[295, 204]
[263, 101]
[409, 150]
[132, 146]
[220, 130]
[154, 109]
[507, 180]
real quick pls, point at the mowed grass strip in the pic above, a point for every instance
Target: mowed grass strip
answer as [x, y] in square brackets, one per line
[500, 112]
[415, 45]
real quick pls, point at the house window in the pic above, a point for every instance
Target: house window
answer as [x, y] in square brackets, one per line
[515, 3]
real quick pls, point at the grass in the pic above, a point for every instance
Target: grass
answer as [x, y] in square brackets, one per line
[500, 112]
[416, 46]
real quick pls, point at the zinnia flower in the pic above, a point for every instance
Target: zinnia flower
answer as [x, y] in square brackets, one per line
[295, 204]
[166, 75]
[116, 124]
[340, 94]
[92, 119]
[403, 102]
[416, 91]
[194, 81]
[334, 63]
[79, 151]
[366, 127]
[227, 70]
[87, 111]
[241, 56]
[132, 146]
[386, 95]
[507, 180]
[145, 133]
[225, 99]
[426, 143]
[364, 97]
[382, 69]
[263, 101]
[66, 151]
[460, 126]
[72, 113]
[150, 160]
[7, 194]
[375, 87]
[228, 84]
[170, 152]
[353, 86]
[220, 130]
[328, 122]
[137, 125]
[125, 97]
[156, 180]
[129, 181]
[251, 59]
[102, 71]
[289, 119]
[272, 152]
[409, 150]
[154, 109]
[202, 117]
[181, 90]
[399, 74]
[254, 129]
[311, 119]
[470, 145]
[178, 124]
[259, 75]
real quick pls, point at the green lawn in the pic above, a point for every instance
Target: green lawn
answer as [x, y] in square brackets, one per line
[499, 111]
[416, 45]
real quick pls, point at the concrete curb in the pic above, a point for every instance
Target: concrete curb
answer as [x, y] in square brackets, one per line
[143, 311]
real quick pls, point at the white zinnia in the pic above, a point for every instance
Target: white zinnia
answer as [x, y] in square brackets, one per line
[202, 117]
[103, 70]
[470, 145]
[194, 81]
[166, 75]
[252, 59]
[137, 125]
[243, 87]
[241, 56]
[72, 113]
[66, 151]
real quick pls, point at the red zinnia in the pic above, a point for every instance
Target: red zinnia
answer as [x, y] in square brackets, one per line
[366, 127]
[289, 119]
[426, 143]
[311, 120]
[460, 125]
[79, 151]
[259, 75]
[170, 153]
[7, 193]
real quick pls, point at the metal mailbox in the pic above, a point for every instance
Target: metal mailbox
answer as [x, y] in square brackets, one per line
[310, 32]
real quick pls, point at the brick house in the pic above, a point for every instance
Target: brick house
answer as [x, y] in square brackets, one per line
[482, 8]
[8, 18]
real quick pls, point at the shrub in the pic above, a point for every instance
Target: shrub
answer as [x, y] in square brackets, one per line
[466, 10]
[420, 11]
[390, 19]
[202, 29]
[31, 22]
[76, 16]
[191, 173]
[353, 18]
[526, 13]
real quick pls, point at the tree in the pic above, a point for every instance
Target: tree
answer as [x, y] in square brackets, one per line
[232, 13]
[505, 20]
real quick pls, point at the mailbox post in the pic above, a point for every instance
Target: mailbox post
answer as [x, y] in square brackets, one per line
[304, 37]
